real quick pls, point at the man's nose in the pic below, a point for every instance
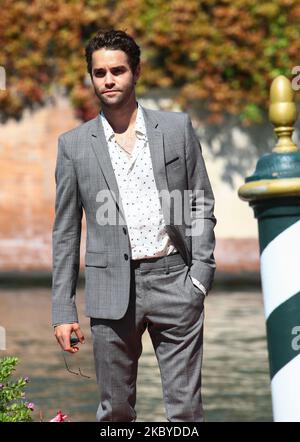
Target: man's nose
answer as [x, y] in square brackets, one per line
[109, 79]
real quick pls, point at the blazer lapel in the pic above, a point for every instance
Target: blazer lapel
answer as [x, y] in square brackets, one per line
[100, 148]
[158, 155]
[157, 150]
[156, 146]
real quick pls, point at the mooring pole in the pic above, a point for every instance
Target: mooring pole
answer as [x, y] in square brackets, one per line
[273, 191]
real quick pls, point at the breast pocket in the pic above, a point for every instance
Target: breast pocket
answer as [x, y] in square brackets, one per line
[175, 173]
[174, 162]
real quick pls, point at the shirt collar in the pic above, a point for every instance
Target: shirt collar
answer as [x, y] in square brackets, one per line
[140, 128]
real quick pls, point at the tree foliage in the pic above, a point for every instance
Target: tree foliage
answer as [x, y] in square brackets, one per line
[220, 53]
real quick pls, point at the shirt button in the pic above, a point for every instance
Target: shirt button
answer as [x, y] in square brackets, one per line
[124, 230]
[126, 256]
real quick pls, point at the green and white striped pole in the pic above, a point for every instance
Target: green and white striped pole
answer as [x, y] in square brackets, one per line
[274, 193]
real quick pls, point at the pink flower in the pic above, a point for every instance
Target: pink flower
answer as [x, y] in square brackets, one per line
[60, 417]
[31, 406]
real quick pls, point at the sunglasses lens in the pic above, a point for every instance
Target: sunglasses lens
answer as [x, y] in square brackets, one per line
[74, 341]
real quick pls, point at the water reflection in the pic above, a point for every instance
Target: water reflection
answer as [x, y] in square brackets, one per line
[235, 372]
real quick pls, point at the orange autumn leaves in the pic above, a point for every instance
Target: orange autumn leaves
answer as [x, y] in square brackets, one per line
[218, 54]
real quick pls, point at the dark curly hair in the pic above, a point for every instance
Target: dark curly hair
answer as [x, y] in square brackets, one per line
[113, 39]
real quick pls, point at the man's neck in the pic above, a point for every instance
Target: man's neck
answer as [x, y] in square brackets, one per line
[121, 119]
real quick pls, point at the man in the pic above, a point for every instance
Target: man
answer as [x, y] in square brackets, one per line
[147, 267]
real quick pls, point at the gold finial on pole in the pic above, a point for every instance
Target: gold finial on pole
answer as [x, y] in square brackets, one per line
[283, 113]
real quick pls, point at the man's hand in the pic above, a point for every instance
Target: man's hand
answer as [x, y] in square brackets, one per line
[63, 335]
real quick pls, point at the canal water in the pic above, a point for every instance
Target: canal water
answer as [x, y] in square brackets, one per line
[236, 384]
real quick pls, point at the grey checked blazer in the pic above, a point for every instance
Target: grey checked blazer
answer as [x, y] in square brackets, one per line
[84, 168]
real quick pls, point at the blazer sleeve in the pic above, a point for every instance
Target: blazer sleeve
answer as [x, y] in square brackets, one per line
[66, 235]
[203, 220]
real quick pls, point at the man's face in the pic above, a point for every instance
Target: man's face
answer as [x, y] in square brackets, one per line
[112, 77]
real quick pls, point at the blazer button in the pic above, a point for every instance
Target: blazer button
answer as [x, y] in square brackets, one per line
[126, 256]
[124, 230]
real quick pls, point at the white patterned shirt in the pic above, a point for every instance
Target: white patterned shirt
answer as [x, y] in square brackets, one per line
[139, 194]
[138, 191]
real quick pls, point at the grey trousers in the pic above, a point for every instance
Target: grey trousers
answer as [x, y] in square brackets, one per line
[164, 300]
